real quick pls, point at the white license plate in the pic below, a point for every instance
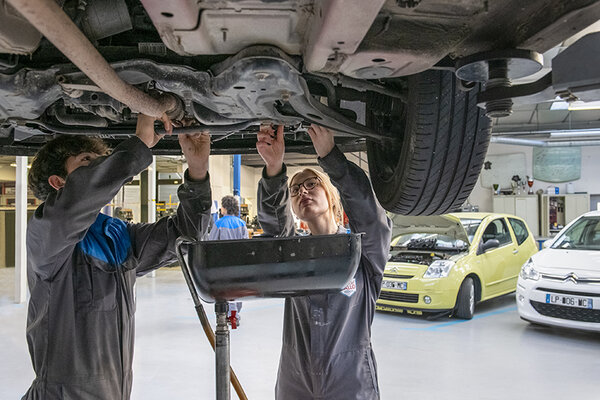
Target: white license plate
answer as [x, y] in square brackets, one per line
[570, 301]
[395, 285]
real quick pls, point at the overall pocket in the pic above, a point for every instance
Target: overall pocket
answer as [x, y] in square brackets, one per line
[104, 290]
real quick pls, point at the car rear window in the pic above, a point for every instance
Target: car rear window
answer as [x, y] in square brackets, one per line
[520, 230]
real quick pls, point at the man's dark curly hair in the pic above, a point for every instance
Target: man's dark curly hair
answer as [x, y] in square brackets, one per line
[230, 203]
[52, 158]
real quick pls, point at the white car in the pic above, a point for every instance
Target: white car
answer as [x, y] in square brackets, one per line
[560, 285]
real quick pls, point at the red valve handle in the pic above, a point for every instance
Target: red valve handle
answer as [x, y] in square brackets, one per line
[233, 319]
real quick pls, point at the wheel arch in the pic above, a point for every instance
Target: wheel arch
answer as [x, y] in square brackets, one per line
[477, 283]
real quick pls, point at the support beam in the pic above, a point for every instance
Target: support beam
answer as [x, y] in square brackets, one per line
[20, 230]
[150, 197]
[237, 174]
[151, 194]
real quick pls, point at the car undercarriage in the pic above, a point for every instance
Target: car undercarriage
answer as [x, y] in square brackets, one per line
[399, 78]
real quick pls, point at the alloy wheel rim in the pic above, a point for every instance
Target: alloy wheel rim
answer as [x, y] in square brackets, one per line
[472, 299]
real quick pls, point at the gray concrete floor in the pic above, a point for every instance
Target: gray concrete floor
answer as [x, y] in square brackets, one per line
[493, 356]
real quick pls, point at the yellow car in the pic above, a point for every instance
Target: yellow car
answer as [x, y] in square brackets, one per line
[446, 264]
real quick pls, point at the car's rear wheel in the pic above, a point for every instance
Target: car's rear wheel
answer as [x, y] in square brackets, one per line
[465, 303]
[439, 139]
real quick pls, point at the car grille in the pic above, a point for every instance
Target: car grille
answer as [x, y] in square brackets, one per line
[399, 296]
[564, 312]
[586, 294]
[397, 276]
[572, 277]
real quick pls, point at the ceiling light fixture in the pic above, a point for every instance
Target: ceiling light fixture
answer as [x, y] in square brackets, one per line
[580, 105]
[575, 105]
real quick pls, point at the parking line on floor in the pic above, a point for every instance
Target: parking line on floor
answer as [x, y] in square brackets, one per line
[447, 324]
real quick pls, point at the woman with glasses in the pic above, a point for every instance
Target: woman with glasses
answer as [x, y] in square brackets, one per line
[326, 350]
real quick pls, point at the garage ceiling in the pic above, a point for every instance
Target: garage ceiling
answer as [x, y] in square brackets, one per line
[530, 119]
[169, 164]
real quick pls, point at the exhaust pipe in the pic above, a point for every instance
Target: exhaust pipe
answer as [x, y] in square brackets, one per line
[52, 22]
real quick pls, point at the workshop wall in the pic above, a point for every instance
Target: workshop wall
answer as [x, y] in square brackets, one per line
[588, 182]
[7, 173]
[220, 176]
[248, 188]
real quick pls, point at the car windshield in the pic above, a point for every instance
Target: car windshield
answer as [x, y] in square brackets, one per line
[584, 234]
[470, 225]
[429, 241]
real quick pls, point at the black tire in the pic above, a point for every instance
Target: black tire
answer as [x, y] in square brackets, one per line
[440, 139]
[465, 302]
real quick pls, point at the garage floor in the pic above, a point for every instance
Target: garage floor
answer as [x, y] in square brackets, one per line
[494, 356]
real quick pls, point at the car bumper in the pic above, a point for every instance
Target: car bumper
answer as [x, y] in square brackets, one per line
[532, 306]
[441, 293]
[409, 310]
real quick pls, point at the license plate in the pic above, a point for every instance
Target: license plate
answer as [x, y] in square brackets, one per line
[395, 285]
[570, 301]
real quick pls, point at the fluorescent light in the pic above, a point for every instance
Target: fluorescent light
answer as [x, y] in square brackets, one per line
[575, 133]
[580, 105]
[14, 165]
[575, 105]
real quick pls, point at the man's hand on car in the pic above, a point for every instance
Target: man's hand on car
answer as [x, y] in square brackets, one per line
[196, 149]
[145, 129]
[271, 147]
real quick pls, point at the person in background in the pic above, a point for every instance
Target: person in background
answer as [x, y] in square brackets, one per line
[229, 227]
[82, 265]
[326, 351]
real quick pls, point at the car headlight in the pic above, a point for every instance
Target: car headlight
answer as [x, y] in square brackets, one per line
[528, 272]
[439, 269]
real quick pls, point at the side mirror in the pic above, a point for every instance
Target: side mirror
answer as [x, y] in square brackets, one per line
[547, 243]
[490, 244]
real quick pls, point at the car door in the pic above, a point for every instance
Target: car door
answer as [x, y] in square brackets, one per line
[496, 263]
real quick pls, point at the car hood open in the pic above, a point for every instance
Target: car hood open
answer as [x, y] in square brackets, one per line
[562, 262]
[447, 225]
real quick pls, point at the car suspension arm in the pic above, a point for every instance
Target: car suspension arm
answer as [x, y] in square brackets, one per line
[59, 29]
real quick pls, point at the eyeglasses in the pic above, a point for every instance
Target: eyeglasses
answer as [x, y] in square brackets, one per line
[309, 184]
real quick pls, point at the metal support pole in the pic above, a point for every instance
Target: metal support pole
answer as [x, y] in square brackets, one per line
[210, 335]
[222, 351]
[20, 229]
[152, 191]
[237, 174]
[237, 179]
[151, 198]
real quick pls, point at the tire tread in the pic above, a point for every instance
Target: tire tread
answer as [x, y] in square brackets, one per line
[447, 137]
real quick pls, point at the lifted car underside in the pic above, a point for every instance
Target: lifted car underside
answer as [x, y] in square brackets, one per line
[381, 74]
